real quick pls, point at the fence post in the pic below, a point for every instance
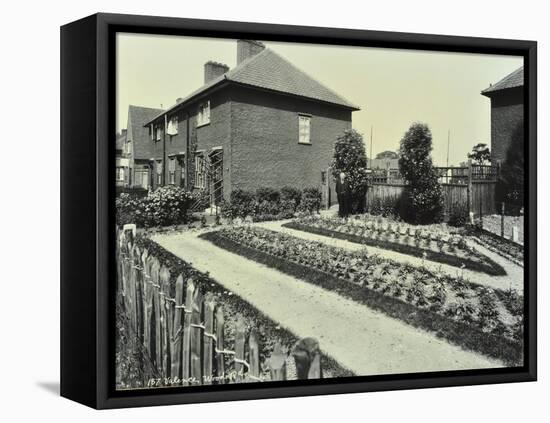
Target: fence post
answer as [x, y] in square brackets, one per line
[304, 354]
[220, 364]
[469, 189]
[502, 219]
[254, 356]
[155, 340]
[208, 336]
[196, 337]
[187, 331]
[166, 319]
[240, 340]
[177, 330]
[277, 363]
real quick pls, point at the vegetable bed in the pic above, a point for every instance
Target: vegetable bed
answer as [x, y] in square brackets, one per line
[440, 247]
[468, 315]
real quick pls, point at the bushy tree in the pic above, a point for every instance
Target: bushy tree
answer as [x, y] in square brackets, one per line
[480, 154]
[351, 159]
[512, 174]
[423, 198]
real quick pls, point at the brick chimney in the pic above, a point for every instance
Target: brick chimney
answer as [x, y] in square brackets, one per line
[214, 69]
[248, 48]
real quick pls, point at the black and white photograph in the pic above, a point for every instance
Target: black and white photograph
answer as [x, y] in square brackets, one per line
[289, 211]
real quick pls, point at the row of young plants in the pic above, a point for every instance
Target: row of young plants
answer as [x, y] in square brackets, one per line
[472, 316]
[501, 246]
[269, 332]
[429, 243]
[268, 203]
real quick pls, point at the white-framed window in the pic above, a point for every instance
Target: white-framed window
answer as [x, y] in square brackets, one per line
[172, 128]
[203, 116]
[172, 170]
[120, 174]
[128, 147]
[304, 129]
[181, 162]
[158, 133]
[200, 171]
[159, 172]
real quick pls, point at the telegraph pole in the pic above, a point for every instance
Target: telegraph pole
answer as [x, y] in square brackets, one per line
[370, 154]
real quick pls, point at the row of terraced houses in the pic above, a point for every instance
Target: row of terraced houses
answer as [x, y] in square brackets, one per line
[263, 123]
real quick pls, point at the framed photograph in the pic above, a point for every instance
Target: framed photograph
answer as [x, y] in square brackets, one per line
[259, 211]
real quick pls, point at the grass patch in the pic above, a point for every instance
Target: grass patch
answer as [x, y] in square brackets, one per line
[488, 266]
[458, 333]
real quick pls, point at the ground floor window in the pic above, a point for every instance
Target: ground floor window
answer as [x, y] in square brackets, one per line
[159, 172]
[120, 174]
[172, 170]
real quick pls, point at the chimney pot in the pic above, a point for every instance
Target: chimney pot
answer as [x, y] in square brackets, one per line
[213, 70]
[248, 48]
[179, 100]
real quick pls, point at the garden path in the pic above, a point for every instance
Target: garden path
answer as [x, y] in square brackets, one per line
[512, 279]
[360, 339]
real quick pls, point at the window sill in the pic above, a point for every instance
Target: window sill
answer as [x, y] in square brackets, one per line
[304, 143]
[202, 124]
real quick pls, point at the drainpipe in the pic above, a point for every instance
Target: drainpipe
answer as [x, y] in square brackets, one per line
[164, 163]
[187, 151]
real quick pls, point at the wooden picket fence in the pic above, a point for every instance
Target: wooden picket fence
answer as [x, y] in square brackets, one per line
[183, 336]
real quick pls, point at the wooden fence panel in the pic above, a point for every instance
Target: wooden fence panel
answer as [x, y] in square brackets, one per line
[177, 329]
[187, 330]
[208, 347]
[187, 341]
[220, 364]
[196, 337]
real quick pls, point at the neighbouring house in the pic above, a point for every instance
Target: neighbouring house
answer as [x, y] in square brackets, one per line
[506, 112]
[137, 149]
[263, 123]
[122, 162]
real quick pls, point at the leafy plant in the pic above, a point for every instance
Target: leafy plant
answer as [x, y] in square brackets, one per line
[423, 197]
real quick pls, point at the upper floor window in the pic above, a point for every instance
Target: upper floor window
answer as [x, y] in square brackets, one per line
[158, 133]
[172, 128]
[304, 129]
[203, 116]
[128, 147]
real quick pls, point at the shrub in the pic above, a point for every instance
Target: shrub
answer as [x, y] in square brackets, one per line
[165, 206]
[291, 194]
[351, 159]
[311, 200]
[241, 204]
[386, 207]
[459, 215]
[423, 197]
[267, 194]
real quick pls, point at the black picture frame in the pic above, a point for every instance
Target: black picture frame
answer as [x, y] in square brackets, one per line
[87, 198]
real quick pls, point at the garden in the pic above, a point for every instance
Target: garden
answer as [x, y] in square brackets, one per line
[133, 366]
[431, 242]
[485, 320]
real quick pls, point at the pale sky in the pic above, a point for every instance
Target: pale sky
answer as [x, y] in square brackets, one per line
[393, 88]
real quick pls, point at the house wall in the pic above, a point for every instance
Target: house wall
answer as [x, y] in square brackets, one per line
[201, 138]
[506, 114]
[264, 139]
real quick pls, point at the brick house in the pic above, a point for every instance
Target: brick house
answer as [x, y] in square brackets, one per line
[136, 148]
[122, 162]
[263, 123]
[506, 112]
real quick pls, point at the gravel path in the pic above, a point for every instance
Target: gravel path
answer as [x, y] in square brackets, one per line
[360, 339]
[512, 279]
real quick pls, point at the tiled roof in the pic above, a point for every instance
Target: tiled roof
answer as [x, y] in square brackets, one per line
[137, 117]
[270, 71]
[515, 79]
